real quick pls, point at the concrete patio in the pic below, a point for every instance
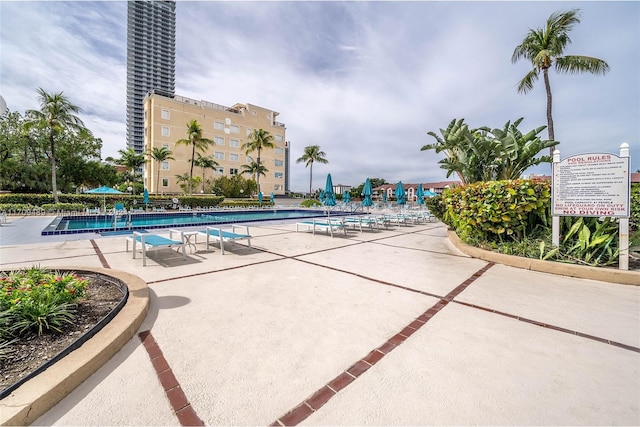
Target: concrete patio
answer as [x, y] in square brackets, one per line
[389, 327]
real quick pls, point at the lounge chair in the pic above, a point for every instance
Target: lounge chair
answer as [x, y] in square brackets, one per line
[150, 242]
[222, 236]
[328, 225]
[360, 221]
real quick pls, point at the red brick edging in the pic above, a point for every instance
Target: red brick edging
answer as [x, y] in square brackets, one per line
[178, 400]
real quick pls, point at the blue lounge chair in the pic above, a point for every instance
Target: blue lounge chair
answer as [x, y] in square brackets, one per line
[149, 242]
[360, 221]
[328, 225]
[222, 236]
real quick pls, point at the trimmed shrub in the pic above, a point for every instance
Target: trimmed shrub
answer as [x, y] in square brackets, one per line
[496, 210]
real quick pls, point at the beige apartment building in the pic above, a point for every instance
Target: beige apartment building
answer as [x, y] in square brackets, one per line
[165, 122]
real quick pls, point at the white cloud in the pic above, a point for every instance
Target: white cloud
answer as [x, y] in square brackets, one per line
[364, 80]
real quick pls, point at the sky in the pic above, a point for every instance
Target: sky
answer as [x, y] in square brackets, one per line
[363, 80]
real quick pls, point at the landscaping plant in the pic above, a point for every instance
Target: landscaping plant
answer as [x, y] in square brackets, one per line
[39, 300]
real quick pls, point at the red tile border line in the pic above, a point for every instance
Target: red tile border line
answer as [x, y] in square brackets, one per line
[178, 400]
[101, 257]
[314, 402]
[553, 327]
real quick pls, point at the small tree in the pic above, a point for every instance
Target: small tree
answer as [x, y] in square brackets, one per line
[205, 162]
[133, 161]
[259, 139]
[197, 142]
[56, 114]
[312, 153]
[160, 154]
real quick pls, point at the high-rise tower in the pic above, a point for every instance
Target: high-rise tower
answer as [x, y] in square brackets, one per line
[151, 59]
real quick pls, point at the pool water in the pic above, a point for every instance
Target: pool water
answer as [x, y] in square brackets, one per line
[138, 221]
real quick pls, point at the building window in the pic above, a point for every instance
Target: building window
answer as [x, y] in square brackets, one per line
[165, 114]
[234, 129]
[219, 170]
[218, 140]
[218, 155]
[278, 187]
[278, 151]
[234, 157]
[165, 182]
[165, 166]
[165, 130]
[279, 138]
[279, 162]
[165, 146]
[234, 143]
[233, 171]
[279, 175]
[218, 125]
[249, 131]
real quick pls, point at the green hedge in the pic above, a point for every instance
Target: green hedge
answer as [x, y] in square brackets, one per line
[497, 210]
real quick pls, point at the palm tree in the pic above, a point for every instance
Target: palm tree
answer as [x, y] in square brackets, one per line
[160, 154]
[197, 142]
[132, 160]
[205, 162]
[259, 139]
[56, 114]
[255, 169]
[312, 153]
[544, 47]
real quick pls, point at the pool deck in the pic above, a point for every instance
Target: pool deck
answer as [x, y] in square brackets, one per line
[389, 327]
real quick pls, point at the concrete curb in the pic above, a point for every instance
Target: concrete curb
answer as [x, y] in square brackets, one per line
[38, 395]
[584, 272]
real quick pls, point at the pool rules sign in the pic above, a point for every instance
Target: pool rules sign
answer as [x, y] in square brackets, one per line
[592, 185]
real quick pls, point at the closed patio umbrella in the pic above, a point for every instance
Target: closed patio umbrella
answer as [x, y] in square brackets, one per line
[260, 197]
[384, 196]
[366, 192]
[401, 196]
[420, 194]
[329, 195]
[346, 197]
[145, 197]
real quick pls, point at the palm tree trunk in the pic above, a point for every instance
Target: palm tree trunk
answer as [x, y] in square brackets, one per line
[193, 156]
[258, 174]
[310, 178]
[547, 86]
[158, 179]
[54, 184]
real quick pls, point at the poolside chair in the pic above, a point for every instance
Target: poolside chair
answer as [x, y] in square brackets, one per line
[363, 220]
[328, 225]
[148, 242]
[222, 236]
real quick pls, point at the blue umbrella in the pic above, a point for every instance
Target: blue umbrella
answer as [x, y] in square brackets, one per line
[329, 195]
[104, 190]
[384, 196]
[260, 197]
[366, 192]
[429, 193]
[145, 196]
[271, 197]
[346, 197]
[420, 194]
[401, 196]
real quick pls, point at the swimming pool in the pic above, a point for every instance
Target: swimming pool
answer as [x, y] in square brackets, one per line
[139, 221]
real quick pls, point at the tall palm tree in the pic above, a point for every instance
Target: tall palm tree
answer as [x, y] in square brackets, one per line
[544, 47]
[197, 142]
[132, 160]
[255, 169]
[56, 114]
[160, 154]
[259, 139]
[205, 162]
[312, 153]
